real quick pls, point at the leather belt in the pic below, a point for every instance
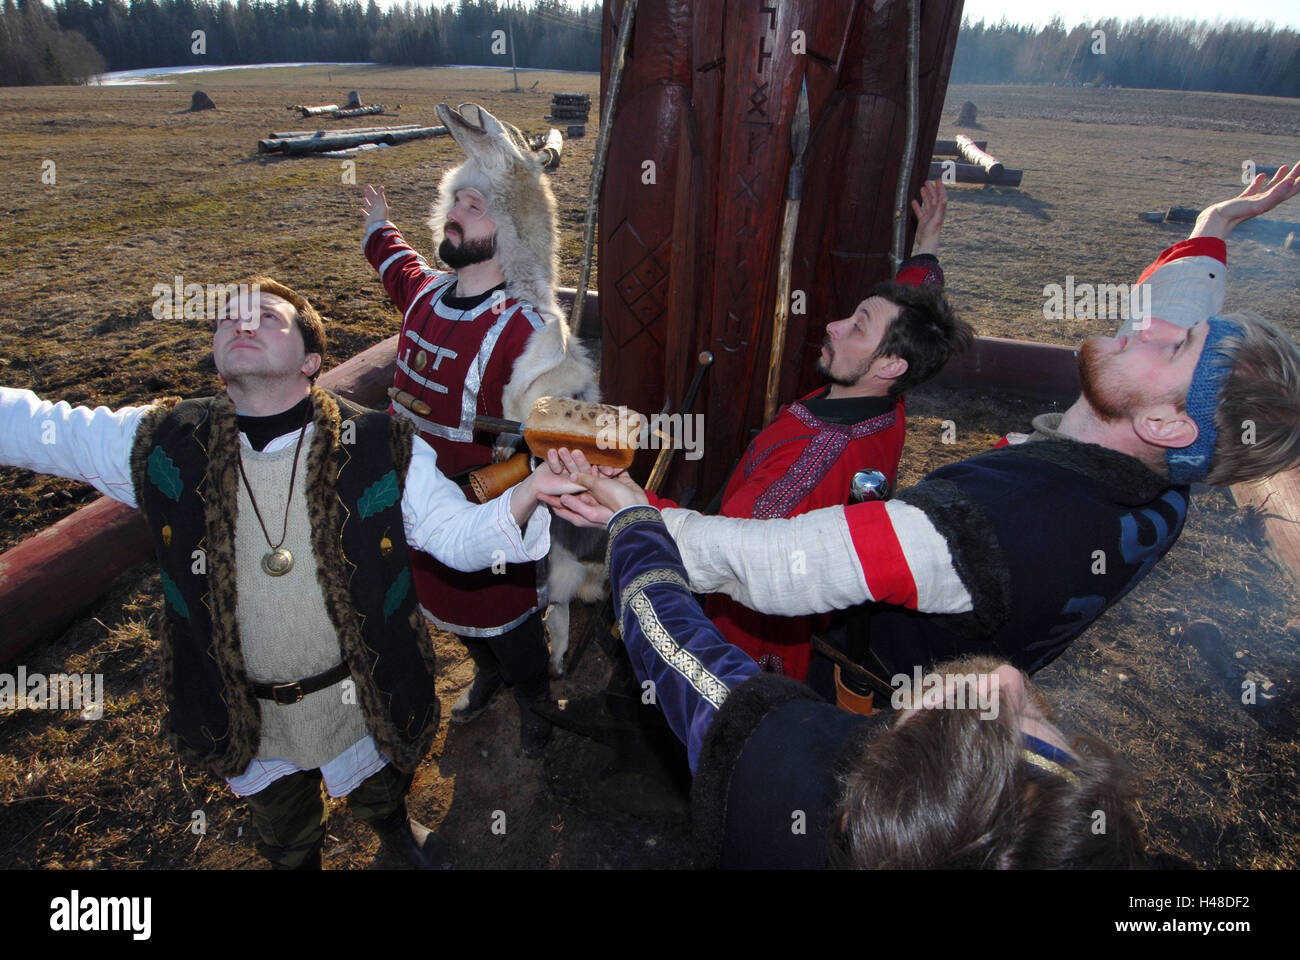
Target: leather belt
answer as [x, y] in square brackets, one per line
[286, 694]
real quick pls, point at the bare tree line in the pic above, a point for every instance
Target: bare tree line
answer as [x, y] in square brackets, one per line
[81, 37]
[1156, 54]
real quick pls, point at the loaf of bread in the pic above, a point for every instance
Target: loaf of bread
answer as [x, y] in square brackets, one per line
[606, 434]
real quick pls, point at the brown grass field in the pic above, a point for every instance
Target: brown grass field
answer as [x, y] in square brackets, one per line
[146, 191]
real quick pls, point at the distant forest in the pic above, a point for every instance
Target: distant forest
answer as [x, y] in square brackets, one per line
[79, 38]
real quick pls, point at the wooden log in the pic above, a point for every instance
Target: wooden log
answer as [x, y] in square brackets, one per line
[318, 111]
[343, 141]
[972, 173]
[1041, 371]
[977, 155]
[287, 134]
[948, 148]
[49, 578]
[366, 111]
[1182, 215]
[551, 150]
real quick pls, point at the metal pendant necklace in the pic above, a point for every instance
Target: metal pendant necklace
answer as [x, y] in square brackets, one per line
[278, 561]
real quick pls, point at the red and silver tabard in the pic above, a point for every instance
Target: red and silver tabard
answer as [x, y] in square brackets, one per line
[458, 362]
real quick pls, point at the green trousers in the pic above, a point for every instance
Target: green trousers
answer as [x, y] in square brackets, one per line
[290, 814]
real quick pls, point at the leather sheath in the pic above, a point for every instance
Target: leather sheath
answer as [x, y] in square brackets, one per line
[491, 481]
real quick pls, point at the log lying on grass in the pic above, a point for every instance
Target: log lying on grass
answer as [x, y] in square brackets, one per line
[317, 111]
[976, 155]
[549, 150]
[949, 148]
[288, 134]
[346, 140]
[358, 111]
[973, 173]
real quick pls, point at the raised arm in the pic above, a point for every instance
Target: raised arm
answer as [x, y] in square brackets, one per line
[1220, 219]
[929, 217]
[93, 446]
[401, 269]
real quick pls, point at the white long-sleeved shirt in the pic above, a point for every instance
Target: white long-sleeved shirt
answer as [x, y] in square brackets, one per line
[94, 446]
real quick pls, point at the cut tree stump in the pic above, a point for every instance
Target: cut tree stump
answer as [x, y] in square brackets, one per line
[201, 101]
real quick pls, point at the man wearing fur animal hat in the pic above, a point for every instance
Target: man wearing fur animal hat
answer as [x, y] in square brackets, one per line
[485, 338]
[293, 653]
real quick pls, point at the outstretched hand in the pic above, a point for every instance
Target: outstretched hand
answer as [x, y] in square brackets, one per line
[608, 490]
[374, 205]
[1222, 218]
[929, 217]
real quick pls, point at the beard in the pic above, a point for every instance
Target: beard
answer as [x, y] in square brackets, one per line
[1109, 402]
[824, 369]
[469, 252]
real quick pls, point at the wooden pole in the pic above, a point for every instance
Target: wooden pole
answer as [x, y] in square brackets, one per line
[909, 147]
[799, 131]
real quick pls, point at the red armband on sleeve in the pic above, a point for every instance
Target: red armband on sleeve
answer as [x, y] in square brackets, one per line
[1196, 247]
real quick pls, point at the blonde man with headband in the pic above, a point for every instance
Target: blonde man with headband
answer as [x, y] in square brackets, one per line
[998, 554]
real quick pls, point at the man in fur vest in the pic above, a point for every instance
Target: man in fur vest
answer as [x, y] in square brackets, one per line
[293, 653]
[486, 338]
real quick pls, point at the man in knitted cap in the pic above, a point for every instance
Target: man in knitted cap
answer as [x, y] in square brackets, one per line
[1016, 551]
[485, 338]
[293, 655]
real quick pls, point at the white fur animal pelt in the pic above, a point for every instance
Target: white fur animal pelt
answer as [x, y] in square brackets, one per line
[500, 164]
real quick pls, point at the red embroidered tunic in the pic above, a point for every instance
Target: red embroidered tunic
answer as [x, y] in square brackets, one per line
[802, 463]
[799, 463]
[458, 362]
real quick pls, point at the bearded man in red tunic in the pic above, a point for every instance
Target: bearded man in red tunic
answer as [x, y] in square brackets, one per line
[899, 337]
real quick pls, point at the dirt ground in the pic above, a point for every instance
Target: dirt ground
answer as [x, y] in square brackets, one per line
[145, 191]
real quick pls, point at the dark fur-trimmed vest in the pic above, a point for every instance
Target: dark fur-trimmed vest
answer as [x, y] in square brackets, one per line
[185, 469]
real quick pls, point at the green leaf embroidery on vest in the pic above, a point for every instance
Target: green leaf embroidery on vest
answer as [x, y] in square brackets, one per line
[380, 495]
[173, 595]
[397, 592]
[163, 472]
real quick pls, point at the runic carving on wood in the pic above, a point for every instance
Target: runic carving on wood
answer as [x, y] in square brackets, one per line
[733, 339]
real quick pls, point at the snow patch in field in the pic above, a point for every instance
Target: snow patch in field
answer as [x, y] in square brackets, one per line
[140, 77]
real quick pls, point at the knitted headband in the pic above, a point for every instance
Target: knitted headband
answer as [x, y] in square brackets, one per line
[1190, 464]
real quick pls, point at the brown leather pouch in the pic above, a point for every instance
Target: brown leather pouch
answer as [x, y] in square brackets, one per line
[851, 702]
[490, 482]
